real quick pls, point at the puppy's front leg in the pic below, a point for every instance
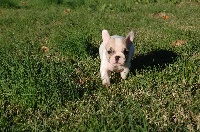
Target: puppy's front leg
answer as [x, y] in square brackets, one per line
[105, 76]
[124, 73]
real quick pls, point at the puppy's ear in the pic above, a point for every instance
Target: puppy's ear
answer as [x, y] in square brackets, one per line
[105, 36]
[129, 39]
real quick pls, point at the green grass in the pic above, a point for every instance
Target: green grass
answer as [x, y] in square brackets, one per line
[61, 90]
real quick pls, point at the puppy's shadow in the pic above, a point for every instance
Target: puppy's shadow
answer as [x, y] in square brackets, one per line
[91, 49]
[153, 59]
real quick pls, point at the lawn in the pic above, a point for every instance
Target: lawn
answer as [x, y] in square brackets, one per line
[49, 66]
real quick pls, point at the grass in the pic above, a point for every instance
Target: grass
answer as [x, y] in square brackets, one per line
[60, 89]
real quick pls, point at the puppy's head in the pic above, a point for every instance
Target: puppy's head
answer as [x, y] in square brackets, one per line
[117, 48]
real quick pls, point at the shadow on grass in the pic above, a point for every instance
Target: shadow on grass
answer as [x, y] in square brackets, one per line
[9, 4]
[91, 50]
[74, 3]
[153, 59]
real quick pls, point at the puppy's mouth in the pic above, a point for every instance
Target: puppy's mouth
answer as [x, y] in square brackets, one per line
[117, 63]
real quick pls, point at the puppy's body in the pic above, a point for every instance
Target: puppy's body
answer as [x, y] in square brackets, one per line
[115, 54]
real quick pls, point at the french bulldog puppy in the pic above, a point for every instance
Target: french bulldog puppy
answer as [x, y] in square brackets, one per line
[116, 53]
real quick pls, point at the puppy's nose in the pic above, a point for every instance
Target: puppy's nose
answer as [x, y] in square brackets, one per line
[117, 58]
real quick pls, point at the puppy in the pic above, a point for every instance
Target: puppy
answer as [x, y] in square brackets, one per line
[115, 54]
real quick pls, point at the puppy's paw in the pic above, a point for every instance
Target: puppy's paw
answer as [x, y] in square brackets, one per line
[106, 82]
[124, 74]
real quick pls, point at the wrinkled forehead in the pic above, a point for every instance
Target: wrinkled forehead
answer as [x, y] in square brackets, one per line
[117, 44]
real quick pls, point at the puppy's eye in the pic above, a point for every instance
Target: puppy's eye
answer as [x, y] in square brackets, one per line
[109, 51]
[125, 51]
